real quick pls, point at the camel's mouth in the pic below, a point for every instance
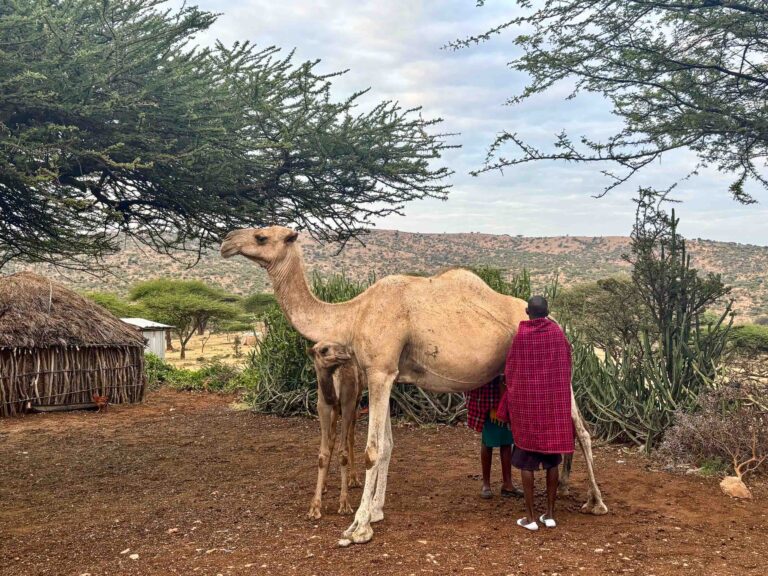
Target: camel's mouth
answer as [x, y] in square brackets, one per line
[229, 249]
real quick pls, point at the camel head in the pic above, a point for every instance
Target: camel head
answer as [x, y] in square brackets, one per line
[265, 246]
[329, 355]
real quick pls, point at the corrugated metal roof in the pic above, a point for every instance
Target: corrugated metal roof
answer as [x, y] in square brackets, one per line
[145, 324]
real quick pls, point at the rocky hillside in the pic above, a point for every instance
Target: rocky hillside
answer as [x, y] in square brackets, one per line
[574, 259]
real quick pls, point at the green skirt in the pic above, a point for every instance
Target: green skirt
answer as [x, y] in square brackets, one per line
[495, 434]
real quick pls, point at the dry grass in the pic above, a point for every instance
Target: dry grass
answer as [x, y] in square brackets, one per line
[217, 347]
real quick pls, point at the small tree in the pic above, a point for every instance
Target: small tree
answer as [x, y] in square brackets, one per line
[184, 304]
[117, 305]
[634, 393]
[673, 292]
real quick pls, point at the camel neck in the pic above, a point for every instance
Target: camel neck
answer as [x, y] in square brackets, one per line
[312, 318]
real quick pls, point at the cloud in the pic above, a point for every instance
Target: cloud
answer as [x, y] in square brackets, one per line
[394, 47]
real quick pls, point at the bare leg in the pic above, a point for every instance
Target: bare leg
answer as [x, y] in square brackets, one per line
[486, 455]
[379, 387]
[552, 481]
[565, 476]
[323, 461]
[505, 455]
[527, 478]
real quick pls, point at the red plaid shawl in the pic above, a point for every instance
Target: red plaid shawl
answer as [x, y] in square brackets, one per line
[538, 398]
[480, 401]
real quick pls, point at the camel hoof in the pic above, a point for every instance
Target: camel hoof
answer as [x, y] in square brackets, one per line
[344, 507]
[314, 512]
[354, 482]
[377, 516]
[598, 509]
[362, 535]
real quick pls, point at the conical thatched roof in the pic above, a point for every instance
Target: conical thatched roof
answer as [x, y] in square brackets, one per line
[38, 313]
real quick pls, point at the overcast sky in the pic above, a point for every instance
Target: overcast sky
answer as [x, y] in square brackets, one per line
[394, 47]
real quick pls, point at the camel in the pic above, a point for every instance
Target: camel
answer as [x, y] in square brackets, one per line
[445, 333]
[340, 385]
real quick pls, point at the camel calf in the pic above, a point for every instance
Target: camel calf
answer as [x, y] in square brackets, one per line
[340, 384]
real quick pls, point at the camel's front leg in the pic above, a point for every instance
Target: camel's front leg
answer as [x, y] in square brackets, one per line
[379, 387]
[331, 441]
[594, 503]
[324, 413]
[377, 514]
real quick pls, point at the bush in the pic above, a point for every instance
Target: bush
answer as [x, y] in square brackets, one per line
[213, 377]
[157, 371]
[729, 431]
[749, 338]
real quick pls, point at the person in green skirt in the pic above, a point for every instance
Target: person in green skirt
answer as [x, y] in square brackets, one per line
[481, 417]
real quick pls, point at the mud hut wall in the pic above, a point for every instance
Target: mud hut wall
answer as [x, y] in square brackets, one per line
[69, 375]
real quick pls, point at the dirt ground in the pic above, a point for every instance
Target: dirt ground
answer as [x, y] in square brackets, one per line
[192, 487]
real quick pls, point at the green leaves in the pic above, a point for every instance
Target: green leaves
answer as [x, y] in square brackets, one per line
[112, 123]
[679, 74]
[187, 305]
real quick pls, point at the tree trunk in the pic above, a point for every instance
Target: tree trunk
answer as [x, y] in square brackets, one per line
[168, 341]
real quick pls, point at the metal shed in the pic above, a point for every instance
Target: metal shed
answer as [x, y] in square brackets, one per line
[153, 332]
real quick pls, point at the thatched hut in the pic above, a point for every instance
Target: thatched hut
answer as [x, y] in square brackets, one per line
[59, 348]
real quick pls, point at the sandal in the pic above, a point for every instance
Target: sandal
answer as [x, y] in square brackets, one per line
[515, 492]
[486, 493]
[532, 526]
[548, 522]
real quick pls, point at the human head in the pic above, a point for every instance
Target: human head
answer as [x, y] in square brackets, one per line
[537, 307]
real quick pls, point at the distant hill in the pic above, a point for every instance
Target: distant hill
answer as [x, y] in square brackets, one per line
[575, 259]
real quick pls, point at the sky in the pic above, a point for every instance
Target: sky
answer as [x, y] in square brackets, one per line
[394, 47]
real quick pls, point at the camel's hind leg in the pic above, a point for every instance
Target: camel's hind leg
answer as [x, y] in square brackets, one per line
[379, 388]
[325, 414]
[594, 503]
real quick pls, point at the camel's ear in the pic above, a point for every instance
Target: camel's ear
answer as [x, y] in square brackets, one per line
[291, 238]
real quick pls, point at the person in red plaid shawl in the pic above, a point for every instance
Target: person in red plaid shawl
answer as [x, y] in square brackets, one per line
[537, 404]
[481, 417]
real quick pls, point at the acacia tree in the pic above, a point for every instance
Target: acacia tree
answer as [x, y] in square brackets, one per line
[184, 304]
[113, 123]
[679, 73]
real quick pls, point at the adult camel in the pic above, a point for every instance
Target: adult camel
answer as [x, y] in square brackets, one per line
[446, 333]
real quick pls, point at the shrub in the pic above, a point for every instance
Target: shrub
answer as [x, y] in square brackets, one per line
[213, 377]
[749, 338]
[157, 370]
[728, 431]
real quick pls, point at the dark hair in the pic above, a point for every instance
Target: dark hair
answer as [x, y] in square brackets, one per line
[538, 307]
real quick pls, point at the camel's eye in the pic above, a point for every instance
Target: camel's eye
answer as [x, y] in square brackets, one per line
[261, 239]
[324, 350]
